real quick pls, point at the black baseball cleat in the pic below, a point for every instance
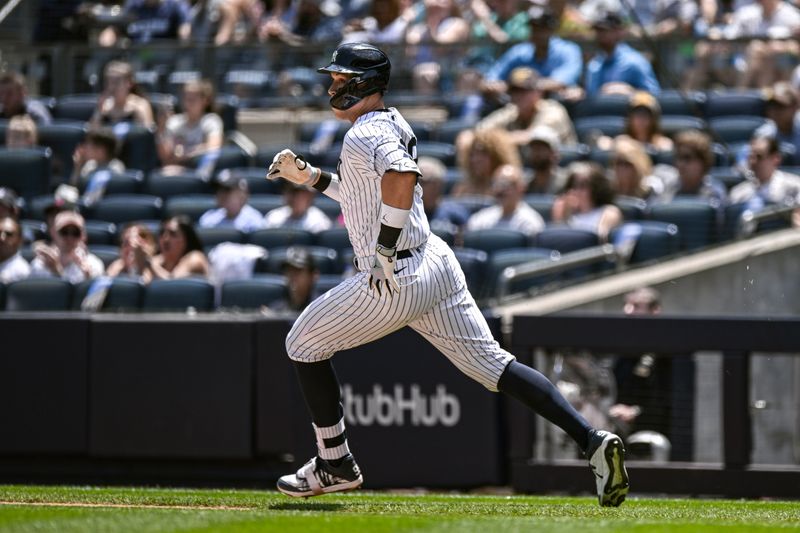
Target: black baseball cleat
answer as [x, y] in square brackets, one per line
[318, 476]
[607, 460]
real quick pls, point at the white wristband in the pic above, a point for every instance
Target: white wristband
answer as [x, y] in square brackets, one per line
[393, 216]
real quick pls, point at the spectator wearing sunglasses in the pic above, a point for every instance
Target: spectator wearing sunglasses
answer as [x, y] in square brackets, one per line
[68, 256]
[12, 265]
[693, 160]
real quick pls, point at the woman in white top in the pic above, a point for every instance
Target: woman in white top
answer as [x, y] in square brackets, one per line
[587, 201]
[194, 136]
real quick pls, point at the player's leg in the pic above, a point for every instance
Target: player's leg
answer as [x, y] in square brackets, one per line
[459, 330]
[348, 315]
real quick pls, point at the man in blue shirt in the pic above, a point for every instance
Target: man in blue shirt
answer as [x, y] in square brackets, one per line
[616, 65]
[558, 62]
[233, 210]
[152, 19]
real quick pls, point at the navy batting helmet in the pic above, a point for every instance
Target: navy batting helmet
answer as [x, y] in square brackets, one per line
[369, 66]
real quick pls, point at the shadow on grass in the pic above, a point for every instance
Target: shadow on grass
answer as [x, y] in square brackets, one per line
[306, 506]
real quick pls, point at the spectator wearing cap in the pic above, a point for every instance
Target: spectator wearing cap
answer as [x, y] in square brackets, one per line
[782, 104]
[14, 100]
[299, 211]
[693, 160]
[232, 194]
[13, 266]
[617, 67]
[301, 274]
[542, 158]
[558, 62]
[9, 203]
[510, 211]
[21, 133]
[527, 110]
[65, 198]
[587, 201]
[68, 257]
[439, 212]
[643, 123]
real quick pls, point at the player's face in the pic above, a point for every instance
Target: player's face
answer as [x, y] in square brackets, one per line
[338, 80]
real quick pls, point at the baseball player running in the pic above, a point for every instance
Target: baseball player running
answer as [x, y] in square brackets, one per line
[406, 276]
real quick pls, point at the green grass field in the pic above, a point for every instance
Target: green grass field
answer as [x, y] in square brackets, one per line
[110, 510]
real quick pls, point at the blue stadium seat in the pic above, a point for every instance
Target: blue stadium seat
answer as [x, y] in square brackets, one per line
[677, 102]
[327, 260]
[569, 153]
[62, 137]
[123, 208]
[256, 177]
[107, 253]
[501, 259]
[310, 131]
[565, 239]
[211, 237]
[734, 103]
[2, 296]
[472, 203]
[129, 182]
[124, 294]
[735, 129]
[632, 208]
[728, 175]
[39, 294]
[35, 206]
[178, 295]
[265, 202]
[227, 106]
[444, 152]
[445, 231]
[542, 203]
[261, 290]
[474, 264]
[329, 206]
[266, 152]
[27, 171]
[78, 107]
[326, 282]
[177, 185]
[649, 239]
[138, 148]
[674, 124]
[447, 131]
[589, 128]
[696, 219]
[192, 205]
[335, 238]
[493, 239]
[32, 230]
[101, 232]
[229, 157]
[280, 237]
[601, 105]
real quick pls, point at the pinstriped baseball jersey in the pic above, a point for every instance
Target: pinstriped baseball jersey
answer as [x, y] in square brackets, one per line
[433, 297]
[378, 141]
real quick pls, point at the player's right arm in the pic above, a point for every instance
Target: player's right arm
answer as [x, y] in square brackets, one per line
[289, 166]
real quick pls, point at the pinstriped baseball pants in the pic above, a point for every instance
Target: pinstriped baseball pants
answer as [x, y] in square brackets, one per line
[433, 300]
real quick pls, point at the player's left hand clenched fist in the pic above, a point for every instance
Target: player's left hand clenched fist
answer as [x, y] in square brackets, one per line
[382, 270]
[293, 168]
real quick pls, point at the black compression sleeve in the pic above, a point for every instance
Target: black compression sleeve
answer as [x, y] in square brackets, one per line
[388, 236]
[323, 181]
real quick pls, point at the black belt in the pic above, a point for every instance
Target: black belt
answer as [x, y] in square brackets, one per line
[404, 254]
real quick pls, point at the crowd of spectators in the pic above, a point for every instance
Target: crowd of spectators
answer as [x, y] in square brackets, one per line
[525, 69]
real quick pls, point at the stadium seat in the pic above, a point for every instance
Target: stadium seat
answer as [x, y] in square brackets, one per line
[265, 202]
[734, 103]
[329, 206]
[62, 137]
[444, 152]
[2, 296]
[501, 259]
[632, 208]
[445, 231]
[229, 156]
[735, 129]
[493, 239]
[646, 240]
[674, 124]
[677, 102]
[256, 177]
[542, 203]
[33, 230]
[261, 290]
[101, 232]
[138, 147]
[474, 264]
[249, 84]
[107, 253]
[211, 237]
[191, 205]
[565, 239]
[35, 207]
[3, 128]
[313, 131]
[326, 282]
[335, 238]
[589, 129]
[178, 295]
[601, 105]
[129, 182]
[123, 208]
[472, 203]
[39, 294]
[447, 131]
[696, 219]
[177, 185]
[327, 260]
[569, 153]
[280, 237]
[266, 152]
[27, 171]
[227, 106]
[78, 107]
[729, 176]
